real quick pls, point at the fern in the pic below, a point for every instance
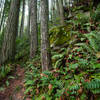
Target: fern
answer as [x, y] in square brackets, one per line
[4, 70]
[92, 37]
[28, 89]
[57, 56]
[58, 63]
[93, 86]
[85, 47]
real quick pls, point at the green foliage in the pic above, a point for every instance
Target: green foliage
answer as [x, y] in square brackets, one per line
[46, 82]
[22, 47]
[96, 14]
[77, 9]
[76, 69]
[51, 84]
[4, 70]
[81, 18]
[1, 39]
[57, 59]
[93, 38]
[93, 86]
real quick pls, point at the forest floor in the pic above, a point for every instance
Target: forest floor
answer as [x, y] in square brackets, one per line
[15, 90]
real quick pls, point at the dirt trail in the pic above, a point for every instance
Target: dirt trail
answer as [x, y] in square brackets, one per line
[15, 91]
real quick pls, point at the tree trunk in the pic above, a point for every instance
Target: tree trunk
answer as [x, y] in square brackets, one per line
[38, 13]
[45, 45]
[54, 11]
[58, 9]
[34, 27]
[1, 7]
[28, 23]
[22, 20]
[2, 17]
[8, 47]
[61, 13]
[51, 10]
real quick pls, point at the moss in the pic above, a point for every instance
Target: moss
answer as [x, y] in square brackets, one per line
[60, 35]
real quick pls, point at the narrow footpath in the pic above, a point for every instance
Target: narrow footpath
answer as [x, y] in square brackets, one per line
[15, 90]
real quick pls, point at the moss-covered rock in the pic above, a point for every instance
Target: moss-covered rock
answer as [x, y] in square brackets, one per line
[60, 35]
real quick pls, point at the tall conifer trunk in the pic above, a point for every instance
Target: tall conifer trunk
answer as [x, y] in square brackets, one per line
[22, 20]
[62, 17]
[45, 45]
[28, 21]
[34, 26]
[2, 17]
[8, 47]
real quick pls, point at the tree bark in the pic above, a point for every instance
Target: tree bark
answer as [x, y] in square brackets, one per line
[22, 20]
[38, 12]
[34, 29]
[62, 17]
[51, 10]
[58, 9]
[28, 23]
[8, 47]
[2, 7]
[2, 17]
[45, 45]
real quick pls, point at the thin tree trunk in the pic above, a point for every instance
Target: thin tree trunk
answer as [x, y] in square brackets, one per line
[2, 17]
[22, 20]
[1, 7]
[0, 4]
[61, 12]
[54, 11]
[58, 9]
[28, 23]
[8, 47]
[51, 10]
[38, 12]
[45, 45]
[34, 31]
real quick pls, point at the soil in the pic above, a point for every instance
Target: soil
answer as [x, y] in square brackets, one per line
[15, 90]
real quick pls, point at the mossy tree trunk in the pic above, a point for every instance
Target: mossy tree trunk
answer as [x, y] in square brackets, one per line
[8, 47]
[45, 45]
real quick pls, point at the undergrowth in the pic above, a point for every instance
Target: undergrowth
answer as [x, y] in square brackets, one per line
[76, 66]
